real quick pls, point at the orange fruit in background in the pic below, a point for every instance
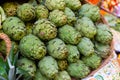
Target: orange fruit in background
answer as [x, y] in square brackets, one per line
[93, 1]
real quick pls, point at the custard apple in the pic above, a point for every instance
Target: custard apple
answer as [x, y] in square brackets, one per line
[90, 11]
[58, 17]
[86, 47]
[26, 12]
[69, 34]
[14, 28]
[44, 29]
[32, 47]
[57, 48]
[55, 4]
[48, 66]
[86, 27]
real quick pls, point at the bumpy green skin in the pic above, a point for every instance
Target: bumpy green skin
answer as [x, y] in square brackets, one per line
[73, 54]
[102, 50]
[78, 69]
[86, 27]
[3, 47]
[44, 29]
[91, 11]
[39, 76]
[27, 65]
[104, 35]
[41, 12]
[14, 28]
[32, 47]
[26, 12]
[58, 17]
[69, 34]
[86, 47]
[57, 48]
[93, 61]
[70, 16]
[63, 75]
[48, 66]
[55, 4]
[10, 8]
[73, 4]
[62, 64]
[29, 26]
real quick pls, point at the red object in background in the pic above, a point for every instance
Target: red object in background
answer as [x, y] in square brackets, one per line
[95, 2]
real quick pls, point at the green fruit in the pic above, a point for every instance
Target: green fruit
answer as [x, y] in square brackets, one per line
[69, 35]
[93, 61]
[48, 66]
[55, 4]
[90, 11]
[102, 50]
[73, 54]
[78, 69]
[32, 47]
[27, 65]
[62, 64]
[39, 76]
[41, 12]
[29, 26]
[70, 16]
[86, 47]
[104, 35]
[57, 48]
[10, 8]
[26, 12]
[58, 17]
[14, 28]
[73, 4]
[86, 27]
[44, 29]
[63, 75]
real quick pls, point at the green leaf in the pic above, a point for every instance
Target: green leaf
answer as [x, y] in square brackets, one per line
[15, 58]
[3, 73]
[11, 55]
[4, 64]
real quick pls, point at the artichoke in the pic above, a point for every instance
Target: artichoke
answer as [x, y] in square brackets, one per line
[78, 69]
[62, 64]
[69, 35]
[39, 76]
[32, 47]
[104, 35]
[86, 47]
[63, 75]
[70, 16]
[14, 28]
[44, 29]
[93, 61]
[86, 27]
[27, 65]
[48, 66]
[91, 11]
[10, 8]
[102, 50]
[73, 4]
[26, 12]
[57, 48]
[55, 4]
[58, 17]
[29, 26]
[73, 54]
[41, 12]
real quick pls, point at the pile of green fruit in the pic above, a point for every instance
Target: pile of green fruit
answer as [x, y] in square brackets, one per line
[57, 39]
